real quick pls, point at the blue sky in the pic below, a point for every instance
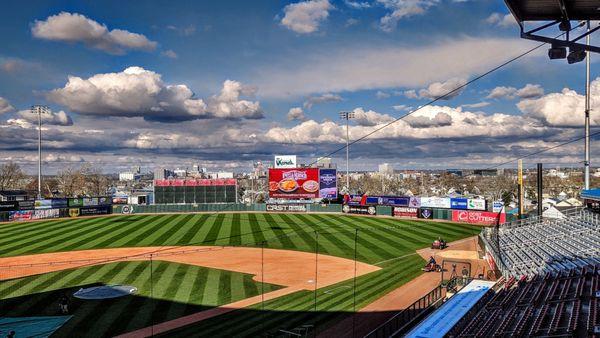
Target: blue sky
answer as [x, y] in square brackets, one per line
[317, 58]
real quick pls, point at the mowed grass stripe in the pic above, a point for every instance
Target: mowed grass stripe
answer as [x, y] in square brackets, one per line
[364, 253]
[40, 237]
[128, 307]
[255, 228]
[141, 309]
[177, 274]
[106, 238]
[210, 296]
[191, 232]
[280, 234]
[304, 230]
[163, 234]
[135, 236]
[334, 246]
[182, 293]
[63, 240]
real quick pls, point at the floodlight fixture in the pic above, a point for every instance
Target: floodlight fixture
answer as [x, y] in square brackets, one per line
[576, 55]
[557, 52]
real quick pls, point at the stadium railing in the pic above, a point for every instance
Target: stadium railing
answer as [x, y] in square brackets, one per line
[403, 320]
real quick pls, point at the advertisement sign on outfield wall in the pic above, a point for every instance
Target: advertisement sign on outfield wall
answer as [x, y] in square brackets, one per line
[406, 212]
[286, 207]
[475, 204]
[294, 183]
[26, 205]
[426, 213]
[99, 210]
[393, 201]
[9, 206]
[478, 217]
[414, 202]
[359, 209]
[328, 183]
[435, 202]
[459, 203]
[498, 206]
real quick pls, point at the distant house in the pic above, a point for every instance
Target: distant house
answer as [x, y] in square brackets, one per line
[13, 195]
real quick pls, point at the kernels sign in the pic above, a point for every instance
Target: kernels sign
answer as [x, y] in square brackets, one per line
[285, 161]
[294, 183]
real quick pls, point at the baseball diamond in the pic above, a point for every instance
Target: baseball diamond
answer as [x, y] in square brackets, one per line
[183, 268]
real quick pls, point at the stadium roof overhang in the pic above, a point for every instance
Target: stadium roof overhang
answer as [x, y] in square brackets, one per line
[559, 13]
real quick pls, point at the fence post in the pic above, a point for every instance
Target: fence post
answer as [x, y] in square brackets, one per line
[354, 284]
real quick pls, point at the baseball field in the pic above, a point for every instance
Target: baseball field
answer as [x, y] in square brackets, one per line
[226, 274]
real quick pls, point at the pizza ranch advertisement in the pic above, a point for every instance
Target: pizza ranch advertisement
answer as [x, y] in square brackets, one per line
[294, 183]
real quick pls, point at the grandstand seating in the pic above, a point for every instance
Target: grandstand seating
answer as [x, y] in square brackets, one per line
[537, 246]
[555, 304]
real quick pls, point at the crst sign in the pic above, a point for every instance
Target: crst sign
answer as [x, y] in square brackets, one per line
[478, 217]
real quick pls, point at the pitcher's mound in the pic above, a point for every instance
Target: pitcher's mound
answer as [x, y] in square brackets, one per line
[105, 292]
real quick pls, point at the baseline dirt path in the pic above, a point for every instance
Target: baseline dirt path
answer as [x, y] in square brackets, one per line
[293, 269]
[376, 313]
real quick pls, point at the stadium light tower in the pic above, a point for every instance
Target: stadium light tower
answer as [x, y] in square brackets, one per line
[347, 115]
[39, 110]
[586, 163]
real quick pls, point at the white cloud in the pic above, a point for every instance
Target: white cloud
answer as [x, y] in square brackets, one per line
[74, 27]
[501, 20]
[401, 107]
[5, 106]
[450, 88]
[352, 68]
[139, 92]
[305, 17]
[59, 118]
[323, 98]
[401, 9]
[564, 109]
[528, 92]
[357, 4]
[296, 113]
[170, 54]
[370, 118]
[476, 105]
[428, 123]
[382, 95]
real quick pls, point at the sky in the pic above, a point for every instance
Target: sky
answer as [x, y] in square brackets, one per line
[224, 84]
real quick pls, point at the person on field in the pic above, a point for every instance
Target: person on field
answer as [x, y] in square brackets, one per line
[63, 303]
[465, 275]
[432, 262]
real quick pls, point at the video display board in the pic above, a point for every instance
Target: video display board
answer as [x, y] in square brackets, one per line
[294, 183]
[328, 183]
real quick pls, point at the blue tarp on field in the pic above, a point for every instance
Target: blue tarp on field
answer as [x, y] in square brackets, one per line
[38, 327]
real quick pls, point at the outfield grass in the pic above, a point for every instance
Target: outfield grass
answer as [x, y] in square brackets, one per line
[380, 241]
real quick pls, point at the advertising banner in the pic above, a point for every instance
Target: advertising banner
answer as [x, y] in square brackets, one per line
[478, 217]
[99, 210]
[406, 212]
[75, 202]
[459, 203]
[415, 202]
[328, 183]
[393, 201]
[90, 201]
[294, 183]
[43, 204]
[45, 213]
[58, 203]
[104, 200]
[498, 205]
[119, 200]
[426, 213]
[476, 204]
[20, 215]
[359, 209]
[435, 202]
[9, 206]
[286, 207]
[26, 205]
[285, 161]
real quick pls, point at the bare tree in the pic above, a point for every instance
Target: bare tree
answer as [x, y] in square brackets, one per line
[11, 176]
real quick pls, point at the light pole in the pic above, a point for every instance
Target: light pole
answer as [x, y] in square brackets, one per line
[39, 110]
[587, 113]
[347, 115]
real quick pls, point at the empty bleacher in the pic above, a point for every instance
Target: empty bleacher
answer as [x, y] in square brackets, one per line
[537, 246]
[562, 304]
